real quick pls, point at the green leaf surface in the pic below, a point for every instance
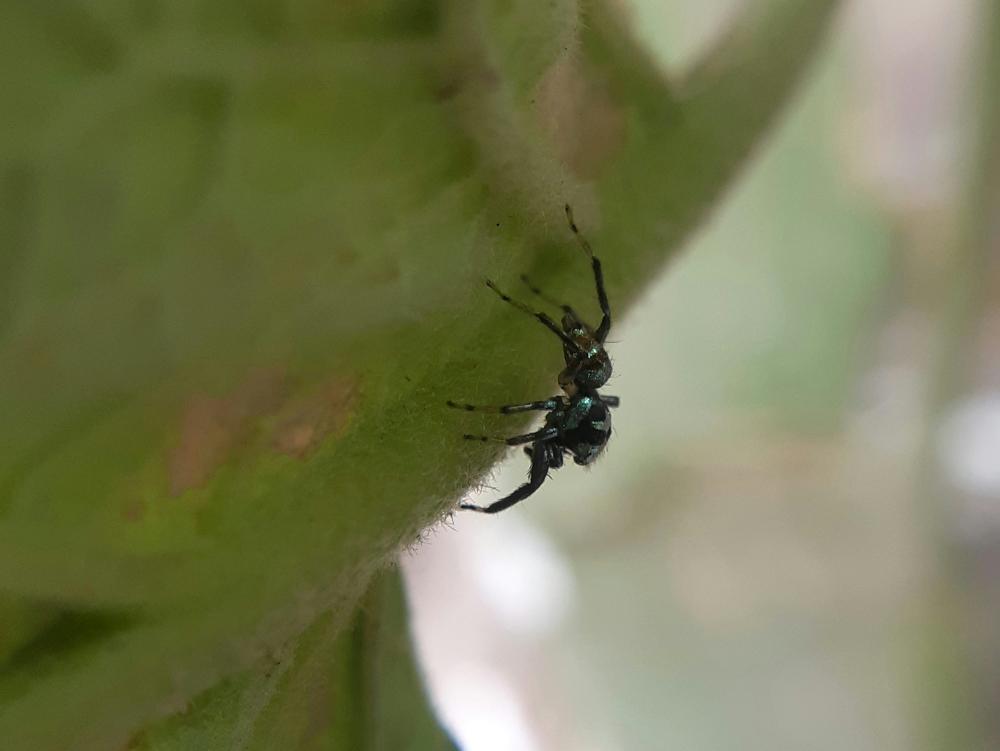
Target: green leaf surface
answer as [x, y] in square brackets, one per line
[336, 686]
[241, 265]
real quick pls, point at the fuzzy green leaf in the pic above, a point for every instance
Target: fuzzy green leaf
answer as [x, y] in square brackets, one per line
[242, 253]
[353, 687]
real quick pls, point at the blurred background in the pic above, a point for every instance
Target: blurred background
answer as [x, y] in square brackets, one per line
[792, 541]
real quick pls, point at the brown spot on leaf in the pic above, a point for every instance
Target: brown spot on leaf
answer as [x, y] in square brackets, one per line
[134, 510]
[212, 427]
[386, 272]
[322, 413]
[585, 125]
[468, 75]
[345, 254]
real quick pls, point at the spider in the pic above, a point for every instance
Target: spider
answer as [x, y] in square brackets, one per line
[577, 422]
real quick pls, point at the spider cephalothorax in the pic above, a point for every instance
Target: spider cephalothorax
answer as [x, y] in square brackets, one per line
[577, 423]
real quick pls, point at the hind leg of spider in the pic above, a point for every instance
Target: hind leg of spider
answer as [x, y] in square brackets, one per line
[551, 300]
[611, 401]
[545, 434]
[507, 409]
[545, 320]
[602, 296]
[539, 471]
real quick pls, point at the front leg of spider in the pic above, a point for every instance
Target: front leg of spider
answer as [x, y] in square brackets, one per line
[544, 319]
[602, 296]
[588, 366]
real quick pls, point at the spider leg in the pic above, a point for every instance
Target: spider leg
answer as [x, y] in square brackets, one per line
[611, 401]
[507, 409]
[602, 296]
[539, 471]
[546, 321]
[551, 300]
[545, 434]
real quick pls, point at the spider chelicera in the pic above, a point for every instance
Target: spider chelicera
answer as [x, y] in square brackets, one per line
[579, 421]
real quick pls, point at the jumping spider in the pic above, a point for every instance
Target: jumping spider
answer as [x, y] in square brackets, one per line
[579, 421]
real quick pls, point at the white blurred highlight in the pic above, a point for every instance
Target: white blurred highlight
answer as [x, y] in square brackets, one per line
[969, 444]
[483, 709]
[484, 597]
[523, 577]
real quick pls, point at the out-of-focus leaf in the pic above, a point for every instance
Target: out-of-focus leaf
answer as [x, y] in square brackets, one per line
[337, 687]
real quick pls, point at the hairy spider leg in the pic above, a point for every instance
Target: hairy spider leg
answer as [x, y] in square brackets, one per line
[611, 401]
[551, 300]
[602, 296]
[507, 409]
[539, 471]
[546, 321]
[545, 434]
